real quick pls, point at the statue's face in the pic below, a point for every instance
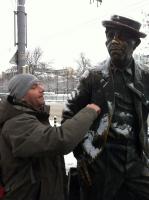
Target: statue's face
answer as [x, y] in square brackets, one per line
[120, 45]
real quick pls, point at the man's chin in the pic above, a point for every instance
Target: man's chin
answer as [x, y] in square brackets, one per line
[116, 58]
[41, 103]
[117, 61]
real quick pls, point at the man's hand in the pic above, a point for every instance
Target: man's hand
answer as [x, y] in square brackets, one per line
[94, 107]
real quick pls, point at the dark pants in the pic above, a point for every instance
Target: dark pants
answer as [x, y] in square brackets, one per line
[118, 174]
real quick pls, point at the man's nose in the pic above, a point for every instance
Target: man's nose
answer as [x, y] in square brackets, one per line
[41, 87]
[116, 37]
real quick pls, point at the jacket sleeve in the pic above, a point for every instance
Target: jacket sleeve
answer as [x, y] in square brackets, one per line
[28, 137]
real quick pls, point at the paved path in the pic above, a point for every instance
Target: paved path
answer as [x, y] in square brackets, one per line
[56, 110]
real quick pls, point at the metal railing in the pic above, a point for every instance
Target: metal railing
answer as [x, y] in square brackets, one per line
[55, 97]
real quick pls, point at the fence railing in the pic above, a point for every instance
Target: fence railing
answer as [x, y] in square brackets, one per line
[55, 97]
[47, 96]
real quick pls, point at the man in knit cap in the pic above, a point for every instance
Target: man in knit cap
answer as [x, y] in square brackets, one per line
[19, 86]
[31, 150]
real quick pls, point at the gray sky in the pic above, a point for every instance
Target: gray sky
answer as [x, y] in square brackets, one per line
[64, 28]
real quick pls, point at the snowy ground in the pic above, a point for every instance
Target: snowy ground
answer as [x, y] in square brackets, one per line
[70, 161]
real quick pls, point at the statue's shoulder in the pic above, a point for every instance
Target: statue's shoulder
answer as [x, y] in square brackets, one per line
[102, 69]
[99, 70]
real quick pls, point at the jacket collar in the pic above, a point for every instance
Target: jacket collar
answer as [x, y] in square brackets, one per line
[108, 86]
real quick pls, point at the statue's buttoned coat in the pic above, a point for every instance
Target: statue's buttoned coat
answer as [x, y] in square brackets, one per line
[99, 80]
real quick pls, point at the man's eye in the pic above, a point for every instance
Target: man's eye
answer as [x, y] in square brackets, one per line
[110, 35]
[33, 86]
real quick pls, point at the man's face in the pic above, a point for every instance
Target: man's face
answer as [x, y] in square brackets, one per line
[34, 96]
[120, 44]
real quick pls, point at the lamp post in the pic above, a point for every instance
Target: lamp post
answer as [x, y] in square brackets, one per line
[20, 32]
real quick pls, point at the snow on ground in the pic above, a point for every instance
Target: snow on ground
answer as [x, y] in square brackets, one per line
[52, 123]
[70, 161]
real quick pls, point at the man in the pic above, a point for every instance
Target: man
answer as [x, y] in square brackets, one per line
[31, 150]
[112, 160]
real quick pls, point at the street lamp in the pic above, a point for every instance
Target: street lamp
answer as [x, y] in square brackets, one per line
[98, 1]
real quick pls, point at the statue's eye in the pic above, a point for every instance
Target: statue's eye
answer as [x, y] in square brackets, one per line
[110, 34]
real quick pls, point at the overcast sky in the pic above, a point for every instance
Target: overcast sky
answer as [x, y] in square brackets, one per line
[64, 28]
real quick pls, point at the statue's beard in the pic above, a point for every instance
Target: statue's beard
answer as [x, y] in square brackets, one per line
[118, 59]
[117, 53]
[121, 61]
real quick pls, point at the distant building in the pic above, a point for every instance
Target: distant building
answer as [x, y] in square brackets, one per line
[55, 80]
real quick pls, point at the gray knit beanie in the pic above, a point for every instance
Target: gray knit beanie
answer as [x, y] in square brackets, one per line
[20, 84]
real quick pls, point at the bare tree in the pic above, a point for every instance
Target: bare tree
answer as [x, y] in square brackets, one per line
[33, 58]
[83, 64]
[29, 59]
[69, 76]
[92, 1]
